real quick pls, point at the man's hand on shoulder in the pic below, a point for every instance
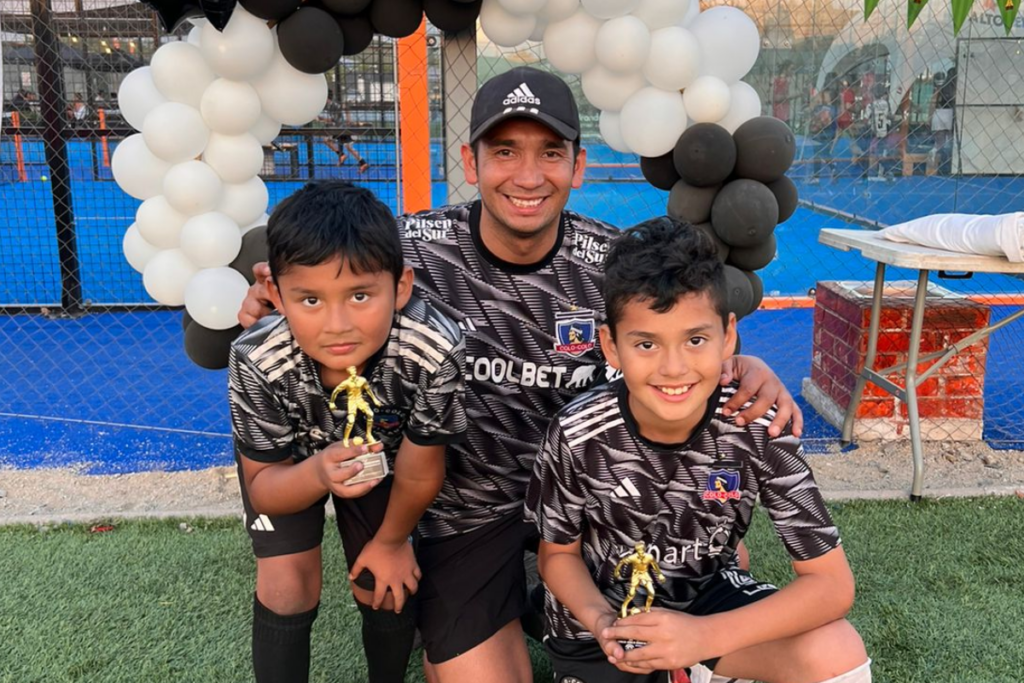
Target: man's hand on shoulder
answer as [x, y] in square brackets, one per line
[257, 300]
[757, 380]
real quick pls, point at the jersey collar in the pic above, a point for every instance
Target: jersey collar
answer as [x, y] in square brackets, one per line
[475, 210]
[634, 429]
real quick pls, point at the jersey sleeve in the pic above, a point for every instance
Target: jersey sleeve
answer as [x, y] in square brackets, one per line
[259, 418]
[793, 501]
[554, 498]
[438, 414]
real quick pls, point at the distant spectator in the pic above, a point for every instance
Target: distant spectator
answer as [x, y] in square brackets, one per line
[943, 104]
[880, 118]
[780, 92]
[823, 129]
[78, 110]
[20, 101]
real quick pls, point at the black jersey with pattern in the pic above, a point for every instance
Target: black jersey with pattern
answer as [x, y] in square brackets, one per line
[280, 408]
[597, 479]
[531, 346]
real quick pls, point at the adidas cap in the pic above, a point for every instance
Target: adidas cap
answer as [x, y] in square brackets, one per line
[529, 93]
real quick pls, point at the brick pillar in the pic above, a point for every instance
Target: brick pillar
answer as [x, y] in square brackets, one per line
[950, 402]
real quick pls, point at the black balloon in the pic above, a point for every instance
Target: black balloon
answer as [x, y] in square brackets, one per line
[691, 204]
[786, 195]
[740, 294]
[744, 213]
[660, 171]
[218, 12]
[396, 18]
[451, 16]
[271, 10]
[723, 248]
[346, 6]
[186, 319]
[173, 12]
[311, 40]
[357, 32]
[757, 287]
[755, 257]
[209, 348]
[253, 251]
[765, 148]
[705, 154]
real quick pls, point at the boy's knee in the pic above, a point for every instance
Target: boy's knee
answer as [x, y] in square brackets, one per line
[830, 650]
[289, 584]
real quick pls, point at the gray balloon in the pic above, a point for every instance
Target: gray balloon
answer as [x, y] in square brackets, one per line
[757, 287]
[691, 204]
[253, 251]
[723, 248]
[740, 292]
[209, 348]
[755, 257]
[745, 213]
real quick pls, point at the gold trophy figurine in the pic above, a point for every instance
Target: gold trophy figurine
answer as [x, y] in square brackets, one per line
[640, 562]
[355, 386]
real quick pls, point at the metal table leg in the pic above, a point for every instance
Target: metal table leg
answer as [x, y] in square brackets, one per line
[869, 360]
[911, 385]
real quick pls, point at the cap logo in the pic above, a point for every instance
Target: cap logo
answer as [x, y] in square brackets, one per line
[521, 95]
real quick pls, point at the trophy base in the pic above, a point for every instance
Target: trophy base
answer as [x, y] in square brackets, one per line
[628, 645]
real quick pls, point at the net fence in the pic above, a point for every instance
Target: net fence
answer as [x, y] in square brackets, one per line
[891, 124]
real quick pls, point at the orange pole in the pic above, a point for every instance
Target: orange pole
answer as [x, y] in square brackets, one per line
[414, 121]
[19, 154]
[103, 138]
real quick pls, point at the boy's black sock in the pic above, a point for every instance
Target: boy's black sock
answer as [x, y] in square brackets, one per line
[387, 641]
[280, 644]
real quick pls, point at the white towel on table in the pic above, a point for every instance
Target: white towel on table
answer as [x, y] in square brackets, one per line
[1001, 235]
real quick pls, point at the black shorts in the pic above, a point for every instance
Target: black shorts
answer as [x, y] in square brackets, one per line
[344, 138]
[357, 518]
[473, 585]
[583, 661]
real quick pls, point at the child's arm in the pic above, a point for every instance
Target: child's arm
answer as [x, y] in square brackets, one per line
[419, 473]
[566, 575]
[821, 593]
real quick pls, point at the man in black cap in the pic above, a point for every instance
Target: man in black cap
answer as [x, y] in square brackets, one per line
[522, 277]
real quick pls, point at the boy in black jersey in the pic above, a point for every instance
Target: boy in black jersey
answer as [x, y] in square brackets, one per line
[651, 458]
[344, 294]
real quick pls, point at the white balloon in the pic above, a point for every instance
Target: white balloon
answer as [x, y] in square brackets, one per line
[195, 35]
[235, 158]
[674, 60]
[744, 104]
[538, 31]
[214, 295]
[569, 44]
[244, 202]
[137, 96]
[166, 275]
[290, 96]
[729, 43]
[159, 223]
[707, 99]
[622, 44]
[175, 132]
[181, 73]
[243, 51]
[230, 107]
[609, 9]
[259, 222]
[211, 240]
[652, 121]
[193, 188]
[610, 125]
[522, 6]
[609, 91]
[137, 251]
[557, 10]
[504, 28]
[266, 129]
[136, 170]
[661, 13]
[691, 13]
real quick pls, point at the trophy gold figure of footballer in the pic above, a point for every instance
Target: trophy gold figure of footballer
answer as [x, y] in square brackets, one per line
[640, 563]
[375, 465]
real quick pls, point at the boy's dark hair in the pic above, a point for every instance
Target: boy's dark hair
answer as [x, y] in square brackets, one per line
[657, 262]
[330, 219]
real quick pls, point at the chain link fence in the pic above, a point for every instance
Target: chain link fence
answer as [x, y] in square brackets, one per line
[891, 124]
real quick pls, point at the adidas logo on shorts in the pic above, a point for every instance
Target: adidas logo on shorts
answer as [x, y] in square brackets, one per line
[521, 95]
[262, 523]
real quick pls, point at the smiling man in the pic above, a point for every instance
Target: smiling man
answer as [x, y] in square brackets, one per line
[522, 276]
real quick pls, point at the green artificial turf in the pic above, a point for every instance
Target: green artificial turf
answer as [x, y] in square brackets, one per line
[940, 597]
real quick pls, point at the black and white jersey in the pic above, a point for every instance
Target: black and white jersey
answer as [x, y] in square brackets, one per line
[599, 481]
[531, 346]
[280, 408]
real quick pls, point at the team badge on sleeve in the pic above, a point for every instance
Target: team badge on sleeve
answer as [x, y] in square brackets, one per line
[722, 485]
[574, 333]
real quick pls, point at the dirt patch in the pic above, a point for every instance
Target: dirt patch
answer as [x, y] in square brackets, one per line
[869, 471]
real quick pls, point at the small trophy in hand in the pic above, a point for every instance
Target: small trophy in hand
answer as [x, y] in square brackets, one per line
[375, 465]
[641, 563]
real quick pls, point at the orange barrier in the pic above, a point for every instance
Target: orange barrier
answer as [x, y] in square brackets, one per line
[19, 154]
[414, 121]
[103, 138]
[778, 303]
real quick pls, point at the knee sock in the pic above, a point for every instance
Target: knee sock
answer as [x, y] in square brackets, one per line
[280, 644]
[862, 674]
[387, 641]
